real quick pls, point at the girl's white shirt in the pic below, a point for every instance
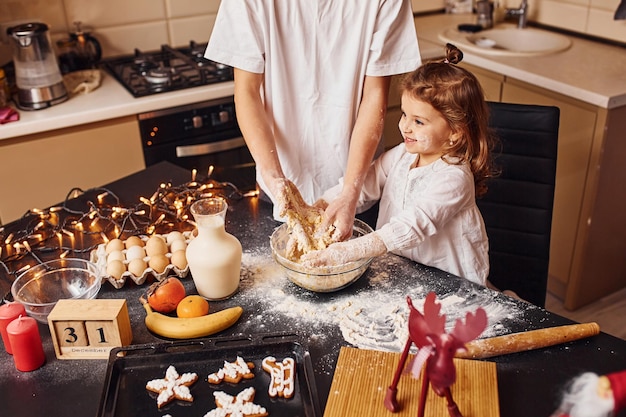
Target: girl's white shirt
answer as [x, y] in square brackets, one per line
[315, 55]
[427, 214]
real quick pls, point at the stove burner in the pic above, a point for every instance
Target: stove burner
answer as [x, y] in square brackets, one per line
[168, 69]
[162, 75]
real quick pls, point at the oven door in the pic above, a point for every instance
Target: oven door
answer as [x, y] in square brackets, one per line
[199, 136]
[229, 157]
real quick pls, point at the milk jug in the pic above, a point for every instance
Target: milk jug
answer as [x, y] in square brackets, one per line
[214, 255]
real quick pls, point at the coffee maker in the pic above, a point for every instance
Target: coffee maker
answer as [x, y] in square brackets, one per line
[80, 51]
[37, 75]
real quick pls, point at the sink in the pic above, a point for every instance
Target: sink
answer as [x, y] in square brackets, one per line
[507, 40]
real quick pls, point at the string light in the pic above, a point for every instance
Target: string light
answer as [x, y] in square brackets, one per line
[105, 218]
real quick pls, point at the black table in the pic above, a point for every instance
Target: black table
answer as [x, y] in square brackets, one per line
[529, 383]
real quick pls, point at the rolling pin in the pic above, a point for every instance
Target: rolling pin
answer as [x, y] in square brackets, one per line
[533, 339]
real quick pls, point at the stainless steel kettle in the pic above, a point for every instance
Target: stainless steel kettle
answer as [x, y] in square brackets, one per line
[37, 75]
[79, 52]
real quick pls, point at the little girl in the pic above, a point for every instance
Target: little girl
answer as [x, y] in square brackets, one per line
[427, 185]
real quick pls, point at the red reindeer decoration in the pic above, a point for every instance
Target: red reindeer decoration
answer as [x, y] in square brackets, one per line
[437, 349]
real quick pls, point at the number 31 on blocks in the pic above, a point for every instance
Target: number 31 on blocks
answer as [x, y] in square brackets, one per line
[89, 329]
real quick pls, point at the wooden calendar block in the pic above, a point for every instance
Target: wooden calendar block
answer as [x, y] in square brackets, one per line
[89, 329]
[102, 333]
[71, 333]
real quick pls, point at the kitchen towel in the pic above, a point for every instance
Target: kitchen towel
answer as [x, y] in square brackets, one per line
[8, 114]
[82, 82]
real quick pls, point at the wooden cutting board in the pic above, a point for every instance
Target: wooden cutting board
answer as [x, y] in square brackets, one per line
[362, 377]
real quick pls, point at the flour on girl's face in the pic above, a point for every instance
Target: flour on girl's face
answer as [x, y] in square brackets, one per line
[374, 318]
[424, 129]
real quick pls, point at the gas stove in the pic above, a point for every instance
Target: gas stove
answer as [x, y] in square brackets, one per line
[168, 69]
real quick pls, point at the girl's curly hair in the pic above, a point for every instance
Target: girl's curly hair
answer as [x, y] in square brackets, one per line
[458, 96]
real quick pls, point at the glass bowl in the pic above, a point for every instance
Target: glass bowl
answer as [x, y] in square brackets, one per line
[40, 287]
[319, 279]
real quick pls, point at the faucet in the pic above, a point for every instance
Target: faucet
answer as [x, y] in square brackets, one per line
[521, 13]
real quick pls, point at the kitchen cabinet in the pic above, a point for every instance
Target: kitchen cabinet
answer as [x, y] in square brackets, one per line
[36, 169]
[588, 240]
[391, 132]
[490, 82]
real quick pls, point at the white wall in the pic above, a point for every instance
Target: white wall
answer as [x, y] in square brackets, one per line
[590, 17]
[122, 25]
[119, 25]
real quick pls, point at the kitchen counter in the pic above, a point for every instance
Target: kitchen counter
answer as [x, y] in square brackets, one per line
[567, 73]
[589, 71]
[109, 101]
[529, 383]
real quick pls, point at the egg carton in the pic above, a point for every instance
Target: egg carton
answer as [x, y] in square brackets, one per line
[99, 257]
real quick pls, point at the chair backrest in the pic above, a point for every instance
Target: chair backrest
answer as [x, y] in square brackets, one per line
[517, 208]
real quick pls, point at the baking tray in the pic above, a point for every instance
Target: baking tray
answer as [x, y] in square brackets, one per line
[130, 367]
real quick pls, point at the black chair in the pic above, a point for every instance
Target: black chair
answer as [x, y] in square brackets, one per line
[517, 208]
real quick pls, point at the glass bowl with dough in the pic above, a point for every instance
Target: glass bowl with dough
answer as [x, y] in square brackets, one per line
[319, 279]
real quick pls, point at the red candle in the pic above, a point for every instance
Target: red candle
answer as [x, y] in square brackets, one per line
[8, 313]
[26, 344]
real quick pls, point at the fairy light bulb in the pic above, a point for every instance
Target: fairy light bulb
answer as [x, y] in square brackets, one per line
[104, 216]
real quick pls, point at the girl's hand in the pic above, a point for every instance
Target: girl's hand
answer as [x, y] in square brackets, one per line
[336, 254]
[341, 253]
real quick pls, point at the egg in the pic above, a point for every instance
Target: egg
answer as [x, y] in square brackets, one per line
[133, 241]
[115, 269]
[135, 252]
[116, 255]
[178, 245]
[113, 245]
[158, 263]
[179, 259]
[137, 267]
[173, 236]
[156, 246]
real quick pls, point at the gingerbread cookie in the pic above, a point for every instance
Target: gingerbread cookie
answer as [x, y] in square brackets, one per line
[239, 406]
[283, 376]
[232, 372]
[173, 386]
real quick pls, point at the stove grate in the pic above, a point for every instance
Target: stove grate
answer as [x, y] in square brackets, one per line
[186, 66]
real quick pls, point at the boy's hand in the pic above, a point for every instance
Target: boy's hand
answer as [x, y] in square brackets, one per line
[339, 214]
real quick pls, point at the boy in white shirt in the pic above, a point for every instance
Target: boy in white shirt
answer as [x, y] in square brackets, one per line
[311, 87]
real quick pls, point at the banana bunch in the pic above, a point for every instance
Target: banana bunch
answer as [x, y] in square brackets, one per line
[189, 328]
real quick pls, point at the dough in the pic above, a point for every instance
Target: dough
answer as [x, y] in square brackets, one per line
[304, 224]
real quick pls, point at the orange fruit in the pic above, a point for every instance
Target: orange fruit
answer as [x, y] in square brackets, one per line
[192, 306]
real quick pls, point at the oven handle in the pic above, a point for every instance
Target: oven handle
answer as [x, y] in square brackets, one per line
[209, 148]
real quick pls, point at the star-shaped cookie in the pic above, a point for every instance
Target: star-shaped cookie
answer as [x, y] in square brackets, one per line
[239, 406]
[173, 386]
[232, 372]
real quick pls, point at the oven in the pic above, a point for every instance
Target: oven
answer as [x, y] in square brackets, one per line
[199, 136]
[195, 136]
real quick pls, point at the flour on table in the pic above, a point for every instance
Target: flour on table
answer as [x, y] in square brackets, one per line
[367, 318]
